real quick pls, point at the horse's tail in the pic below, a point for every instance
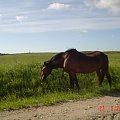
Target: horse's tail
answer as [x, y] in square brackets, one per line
[105, 69]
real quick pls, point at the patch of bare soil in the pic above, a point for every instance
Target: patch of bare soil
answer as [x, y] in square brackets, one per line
[102, 108]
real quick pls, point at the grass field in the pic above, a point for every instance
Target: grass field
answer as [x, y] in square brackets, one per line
[21, 85]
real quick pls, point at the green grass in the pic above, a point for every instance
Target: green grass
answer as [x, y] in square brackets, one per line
[47, 99]
[21, 85]
[26, 58]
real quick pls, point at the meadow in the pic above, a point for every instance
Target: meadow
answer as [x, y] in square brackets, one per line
[21, 84]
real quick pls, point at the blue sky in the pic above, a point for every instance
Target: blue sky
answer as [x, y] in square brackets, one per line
[57, 25]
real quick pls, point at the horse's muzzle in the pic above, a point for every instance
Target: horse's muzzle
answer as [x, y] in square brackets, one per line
[43, 77]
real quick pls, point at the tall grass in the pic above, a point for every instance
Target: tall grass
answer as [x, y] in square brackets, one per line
[22, 79]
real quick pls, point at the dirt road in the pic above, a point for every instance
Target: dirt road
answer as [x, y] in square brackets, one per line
[103, 108]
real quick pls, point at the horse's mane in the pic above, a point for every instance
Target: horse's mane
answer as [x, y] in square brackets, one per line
[71, 50]
[57, 56]
[74, 51]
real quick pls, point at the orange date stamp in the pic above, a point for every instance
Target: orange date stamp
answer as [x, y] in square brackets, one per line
[115, 108]
[112, 108]
[101, 108]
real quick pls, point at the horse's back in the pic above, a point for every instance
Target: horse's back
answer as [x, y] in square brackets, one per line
[79, 62]
[100, 55]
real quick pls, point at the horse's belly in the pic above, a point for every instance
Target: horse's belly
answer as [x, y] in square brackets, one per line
[87, 68]
[85, 71]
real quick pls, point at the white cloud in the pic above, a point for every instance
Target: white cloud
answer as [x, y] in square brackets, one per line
[84, 25]
[58, 6]
[20, 18]
[112, 5]
[89, 3]
[84, 31]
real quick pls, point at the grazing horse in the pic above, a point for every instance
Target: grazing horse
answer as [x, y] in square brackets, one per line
[74, 62]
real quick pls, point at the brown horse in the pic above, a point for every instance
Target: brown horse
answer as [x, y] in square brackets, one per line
[74, 62]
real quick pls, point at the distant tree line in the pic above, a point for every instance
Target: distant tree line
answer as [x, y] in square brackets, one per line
[3, 54]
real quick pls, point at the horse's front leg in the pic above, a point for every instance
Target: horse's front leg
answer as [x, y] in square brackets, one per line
[71, 81]
[76, 82]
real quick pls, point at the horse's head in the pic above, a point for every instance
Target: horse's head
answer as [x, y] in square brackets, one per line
[46, 70]
[55, 62]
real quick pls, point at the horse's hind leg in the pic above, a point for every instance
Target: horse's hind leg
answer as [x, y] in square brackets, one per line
[109, 79]
[102, 76]
[106, 71]
[100, 80]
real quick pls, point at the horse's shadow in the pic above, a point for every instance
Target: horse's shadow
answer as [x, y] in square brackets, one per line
[111, 93]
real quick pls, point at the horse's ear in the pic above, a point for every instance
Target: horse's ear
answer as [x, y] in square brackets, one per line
[46, 62]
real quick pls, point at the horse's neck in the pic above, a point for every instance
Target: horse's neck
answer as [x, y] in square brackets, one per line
[57, 61]
[56, 64]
